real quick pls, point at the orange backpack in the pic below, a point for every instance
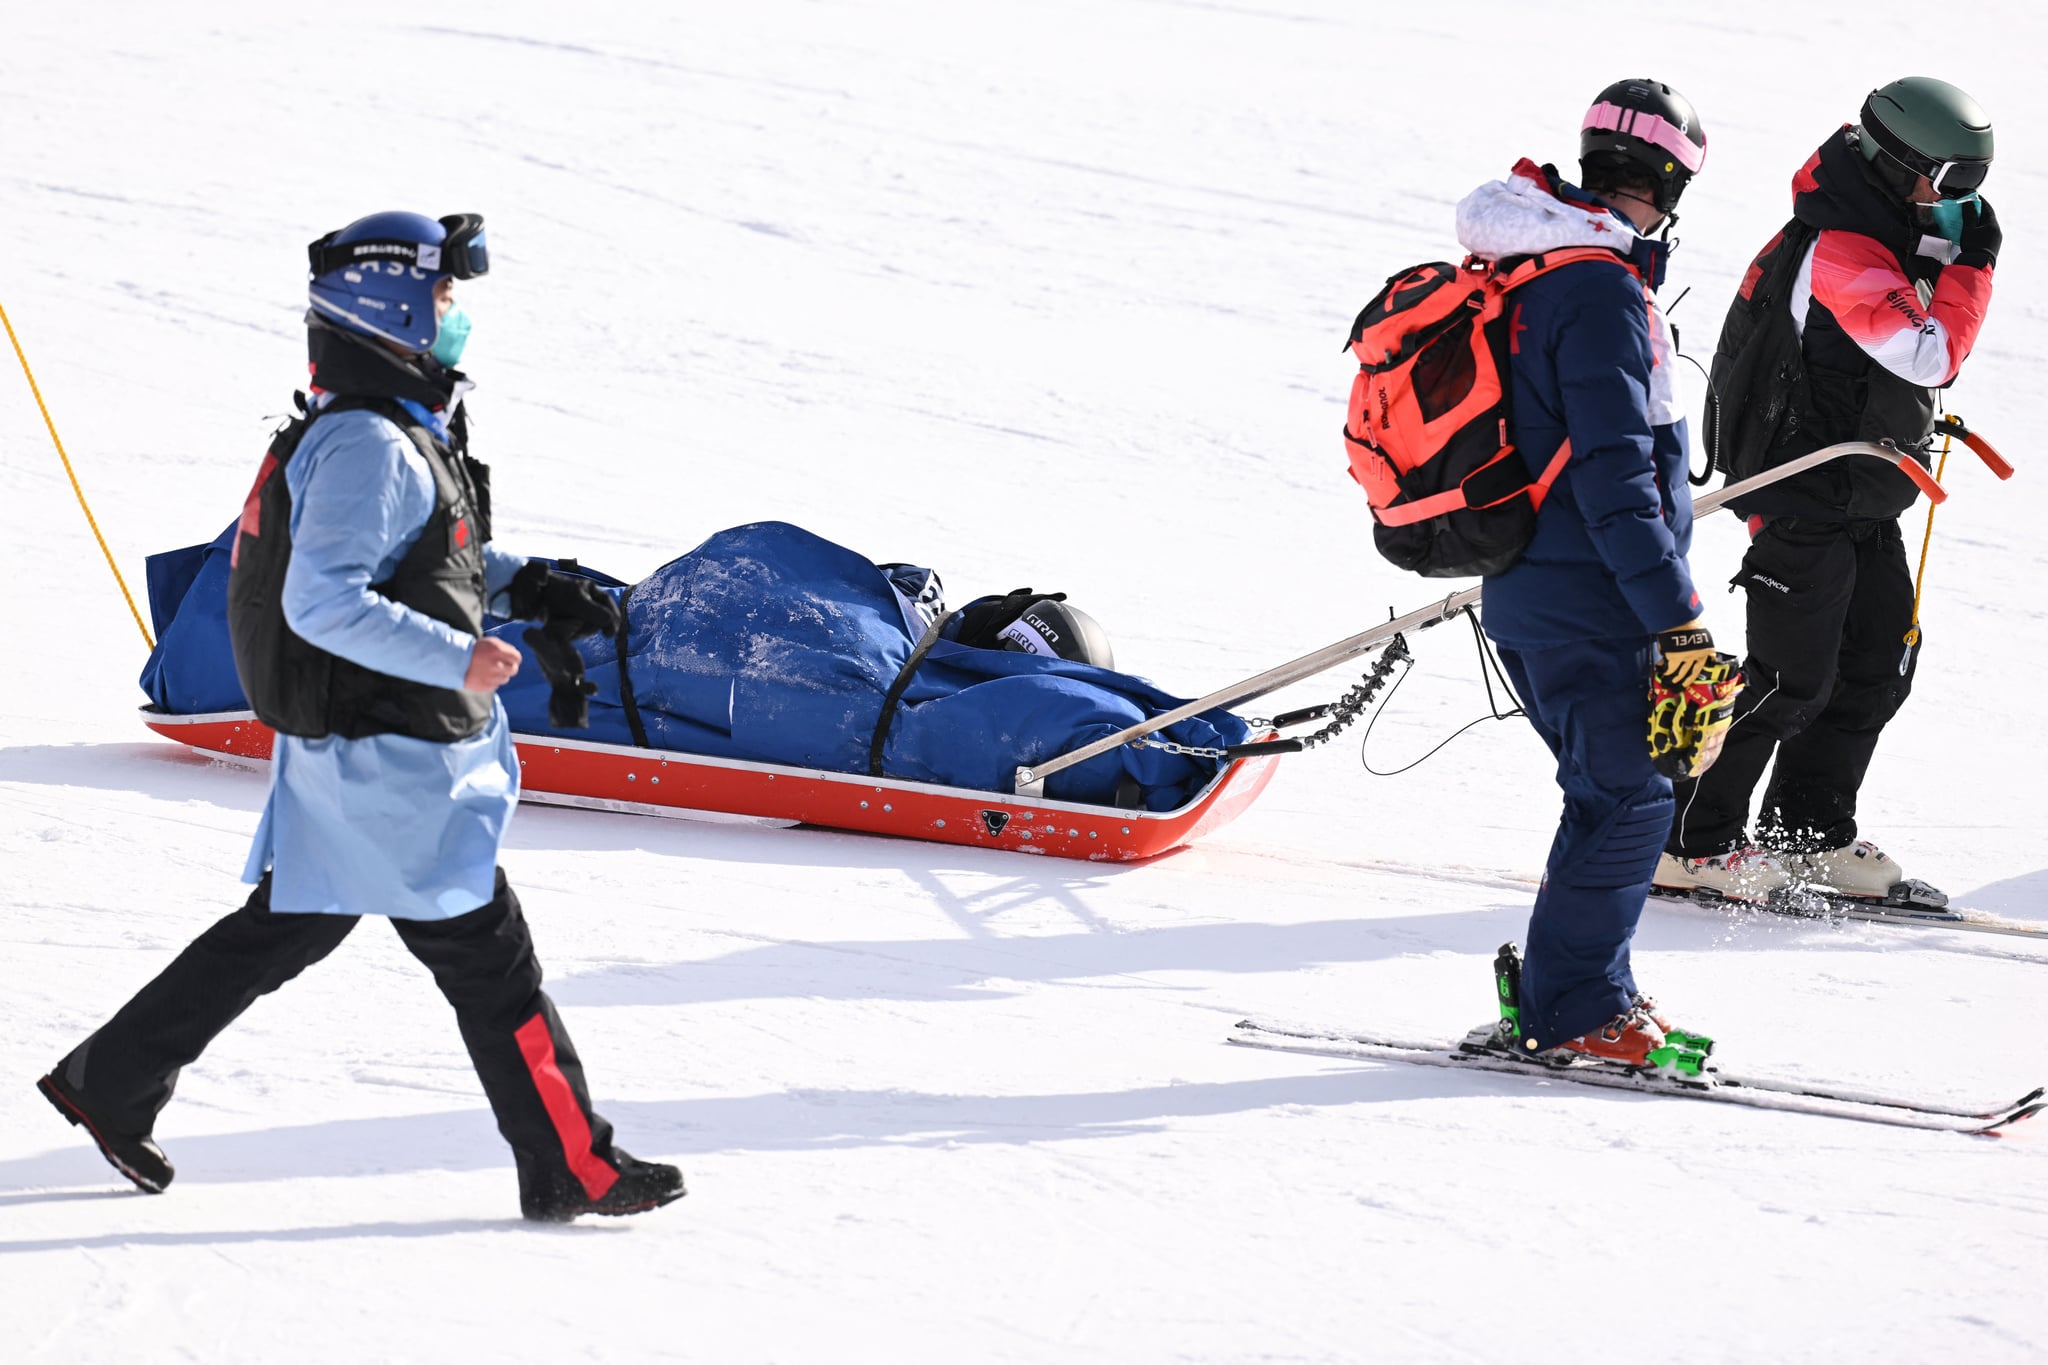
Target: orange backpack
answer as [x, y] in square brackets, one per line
[1428, 429]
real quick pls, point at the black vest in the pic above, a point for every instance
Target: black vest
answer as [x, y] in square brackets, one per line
[296, 687]
[1780, 392]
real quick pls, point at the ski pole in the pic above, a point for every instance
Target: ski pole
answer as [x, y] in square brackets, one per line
[72, 474]
[1030, 781]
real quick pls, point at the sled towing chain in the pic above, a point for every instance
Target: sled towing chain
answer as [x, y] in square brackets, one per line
[1345, 711]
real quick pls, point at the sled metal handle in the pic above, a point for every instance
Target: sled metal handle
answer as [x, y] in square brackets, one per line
[1030, 780]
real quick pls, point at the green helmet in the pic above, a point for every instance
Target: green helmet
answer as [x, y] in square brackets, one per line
[1923, 126]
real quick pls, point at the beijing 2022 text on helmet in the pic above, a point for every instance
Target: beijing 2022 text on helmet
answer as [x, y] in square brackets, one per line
[376, 276]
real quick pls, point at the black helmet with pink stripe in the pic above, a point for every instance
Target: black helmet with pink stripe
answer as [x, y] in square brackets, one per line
[1642, 130]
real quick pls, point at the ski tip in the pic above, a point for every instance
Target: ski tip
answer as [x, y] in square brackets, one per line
[2020, 1115]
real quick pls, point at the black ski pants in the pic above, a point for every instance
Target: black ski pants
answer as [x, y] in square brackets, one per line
[484, 964]
[1829, 607]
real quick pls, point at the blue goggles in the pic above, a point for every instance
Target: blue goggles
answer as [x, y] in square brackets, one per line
[462, 253]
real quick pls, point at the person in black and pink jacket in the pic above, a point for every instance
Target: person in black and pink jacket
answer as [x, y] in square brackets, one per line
[1846, 327]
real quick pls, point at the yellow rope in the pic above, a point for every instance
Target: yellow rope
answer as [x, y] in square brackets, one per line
[1920, 575]
[90, 520]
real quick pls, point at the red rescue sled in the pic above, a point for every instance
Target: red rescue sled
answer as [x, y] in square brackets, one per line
[567, 772]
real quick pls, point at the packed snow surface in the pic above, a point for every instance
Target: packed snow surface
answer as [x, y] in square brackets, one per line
[1048, 293]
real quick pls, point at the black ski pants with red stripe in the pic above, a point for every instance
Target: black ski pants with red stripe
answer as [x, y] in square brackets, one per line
[1829, 607]
[484, 964]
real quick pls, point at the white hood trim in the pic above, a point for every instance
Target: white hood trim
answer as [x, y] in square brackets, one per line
[1519, 216]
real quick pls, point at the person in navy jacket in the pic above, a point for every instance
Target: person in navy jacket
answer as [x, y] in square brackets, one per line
[1578, 617]
[392, 787]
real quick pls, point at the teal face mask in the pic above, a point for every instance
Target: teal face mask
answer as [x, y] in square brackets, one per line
[1945, 216]
[454, 335]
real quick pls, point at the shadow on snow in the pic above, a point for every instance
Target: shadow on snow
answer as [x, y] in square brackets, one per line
[791, 1121]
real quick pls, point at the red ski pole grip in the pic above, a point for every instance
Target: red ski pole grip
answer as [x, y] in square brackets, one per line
[1993, 461]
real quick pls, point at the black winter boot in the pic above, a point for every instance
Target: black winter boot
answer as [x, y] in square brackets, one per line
[134, 1155]
[555, 1196]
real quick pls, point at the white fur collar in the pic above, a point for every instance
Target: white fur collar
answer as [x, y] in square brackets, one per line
[1520, 216]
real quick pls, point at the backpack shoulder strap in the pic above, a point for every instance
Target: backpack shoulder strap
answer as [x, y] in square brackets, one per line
[1532, 267]
[472, 476]
[1514, 272]
[1765, 288]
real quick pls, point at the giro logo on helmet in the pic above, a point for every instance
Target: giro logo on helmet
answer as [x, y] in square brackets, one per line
[1042, 626]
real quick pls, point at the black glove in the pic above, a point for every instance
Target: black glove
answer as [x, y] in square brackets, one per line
[1981, 235]
[539, 593]
[981, 619]
[554, 649]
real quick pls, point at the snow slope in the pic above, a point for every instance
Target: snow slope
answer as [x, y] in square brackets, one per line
[1050, 292]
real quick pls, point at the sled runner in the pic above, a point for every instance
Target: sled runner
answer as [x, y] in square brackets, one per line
[616, 777]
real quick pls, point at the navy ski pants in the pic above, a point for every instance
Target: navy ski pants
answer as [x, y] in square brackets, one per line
[1589, 700]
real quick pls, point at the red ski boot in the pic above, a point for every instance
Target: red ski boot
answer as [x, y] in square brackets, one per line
[1672, 1033]
[1633, 1039]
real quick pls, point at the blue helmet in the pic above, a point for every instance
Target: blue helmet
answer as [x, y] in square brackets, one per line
[376, 276]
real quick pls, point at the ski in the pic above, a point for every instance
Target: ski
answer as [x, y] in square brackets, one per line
[1807, 903]
[1814, 1090]
[1723, 1087]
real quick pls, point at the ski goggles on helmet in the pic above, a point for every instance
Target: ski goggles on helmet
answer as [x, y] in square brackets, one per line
[1955, 179]
[1645, 126]
[1951, 179]
[462, 253]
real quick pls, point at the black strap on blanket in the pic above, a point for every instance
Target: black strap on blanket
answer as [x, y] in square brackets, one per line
[625, 678]
[902, 684]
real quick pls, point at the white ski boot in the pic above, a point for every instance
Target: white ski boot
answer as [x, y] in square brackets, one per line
[1745, 874]
[1860, 871]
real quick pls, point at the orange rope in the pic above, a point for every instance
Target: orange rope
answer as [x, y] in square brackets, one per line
[1920, 575]
[90, 520]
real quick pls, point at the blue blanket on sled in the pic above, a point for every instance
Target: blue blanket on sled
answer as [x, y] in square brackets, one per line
[771, 644]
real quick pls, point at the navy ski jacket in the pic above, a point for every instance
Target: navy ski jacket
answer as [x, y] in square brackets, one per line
[1608, 558]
